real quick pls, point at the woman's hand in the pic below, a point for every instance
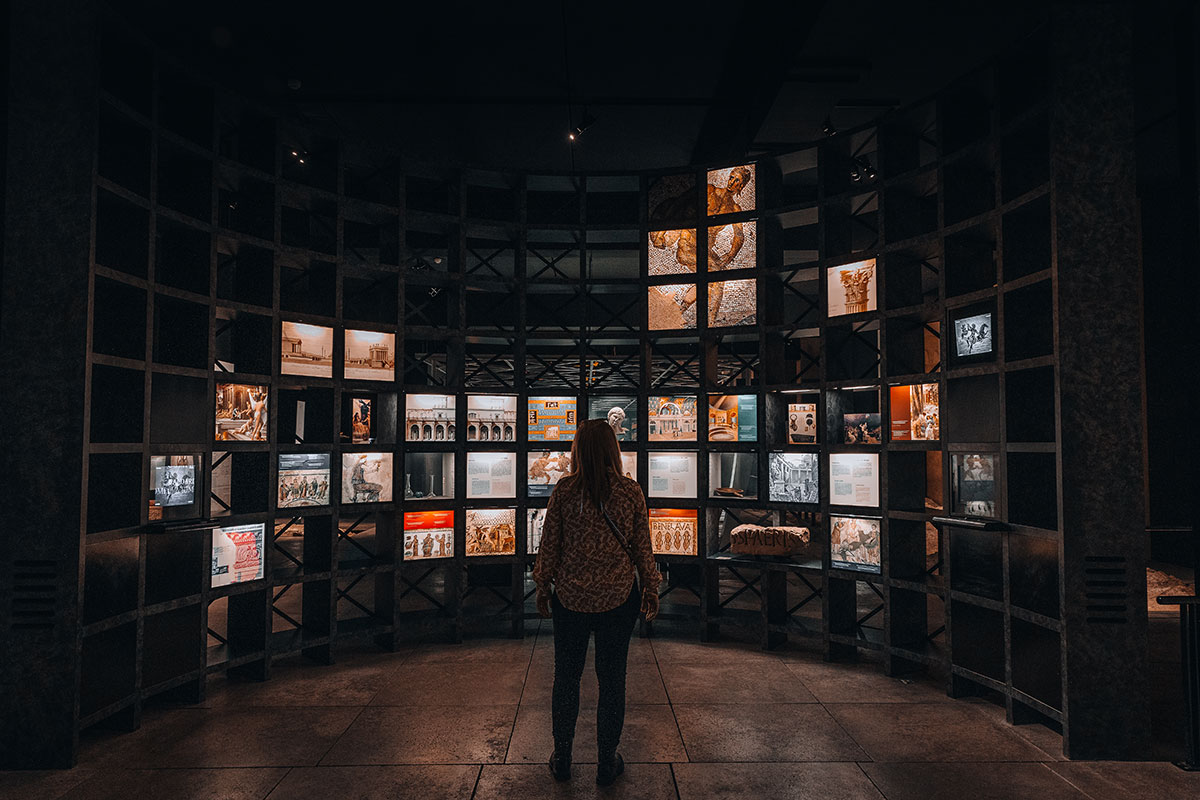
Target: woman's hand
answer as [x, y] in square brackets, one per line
[543, 603]
[650, 603]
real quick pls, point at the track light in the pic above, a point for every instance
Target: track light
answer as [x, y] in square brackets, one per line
[863, 168]
[828, 128]
[585, 123]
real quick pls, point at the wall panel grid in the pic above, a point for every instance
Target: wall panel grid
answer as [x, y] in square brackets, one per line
[346, 354]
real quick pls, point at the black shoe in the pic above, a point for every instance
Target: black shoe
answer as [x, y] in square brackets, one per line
[560, 767]
[608, 769]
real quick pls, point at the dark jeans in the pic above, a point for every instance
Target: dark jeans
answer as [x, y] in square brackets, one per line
[572, 630]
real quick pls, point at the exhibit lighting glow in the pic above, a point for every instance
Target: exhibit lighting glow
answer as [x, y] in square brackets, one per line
[369, 336]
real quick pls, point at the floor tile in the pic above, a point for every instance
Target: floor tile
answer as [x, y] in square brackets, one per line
[640, 650]
[235, 737]
[862, 683]
[475, 651]
[640, 782]
[42, 784]
[759, 732]
[416, 735]
[693, 652]
[843, 781]
[931, 732]
[178, 784]
[650, 735]
[1122, 780]
[643, 685]
[999, 781]
[450, 782]
[302, 683]
[752, 682]
[1040, 736]
[435, 684]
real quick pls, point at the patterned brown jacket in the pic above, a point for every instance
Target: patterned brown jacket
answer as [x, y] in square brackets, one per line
[579, 553]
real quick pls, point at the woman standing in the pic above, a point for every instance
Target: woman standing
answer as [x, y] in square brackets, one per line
[595, 542]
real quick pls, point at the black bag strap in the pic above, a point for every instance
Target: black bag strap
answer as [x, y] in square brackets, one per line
[621, 540]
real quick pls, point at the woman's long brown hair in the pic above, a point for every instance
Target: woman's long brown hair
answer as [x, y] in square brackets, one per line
[595, 457]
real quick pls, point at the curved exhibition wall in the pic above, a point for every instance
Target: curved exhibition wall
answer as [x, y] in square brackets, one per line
[328, 398]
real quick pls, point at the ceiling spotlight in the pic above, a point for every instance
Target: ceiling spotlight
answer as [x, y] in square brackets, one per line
[828, 128]
[585, 123]
[862, 168]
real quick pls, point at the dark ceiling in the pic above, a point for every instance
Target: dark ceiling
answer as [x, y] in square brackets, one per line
[498, 85]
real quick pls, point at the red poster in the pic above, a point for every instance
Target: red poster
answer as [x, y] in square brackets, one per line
[901, 414]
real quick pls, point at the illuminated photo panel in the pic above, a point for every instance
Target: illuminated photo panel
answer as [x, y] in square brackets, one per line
[552, 419]
[306, 350]
[370, 356]
[629, 465]
[973, 335]
[303, 479]
[672, 251]
[429, 418]
[241, 413]
[672, 306]
[731, 190]
[491, 532]
[851, 288]
[673, 475]
[854, 479]
[533, 533]
[491, 475]
[237, 554]
[491, 418]
[802, 423]
[428, 534]
[795, 478]
[732, 303]
[620, 413]
[546, 468]
[733, 245]
[914, 412]
[973, 484]
[674, 531]
[672, 419]
[854, 543]
[732, 418]
[173, 493]
[367, 477]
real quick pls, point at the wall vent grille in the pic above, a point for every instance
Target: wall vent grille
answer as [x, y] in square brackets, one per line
[34, 595]
[1106, 590]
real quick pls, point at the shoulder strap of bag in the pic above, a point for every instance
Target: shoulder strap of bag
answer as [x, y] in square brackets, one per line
[621, 540]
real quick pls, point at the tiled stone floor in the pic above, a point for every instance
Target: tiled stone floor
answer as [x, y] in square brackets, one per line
[472, 721]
